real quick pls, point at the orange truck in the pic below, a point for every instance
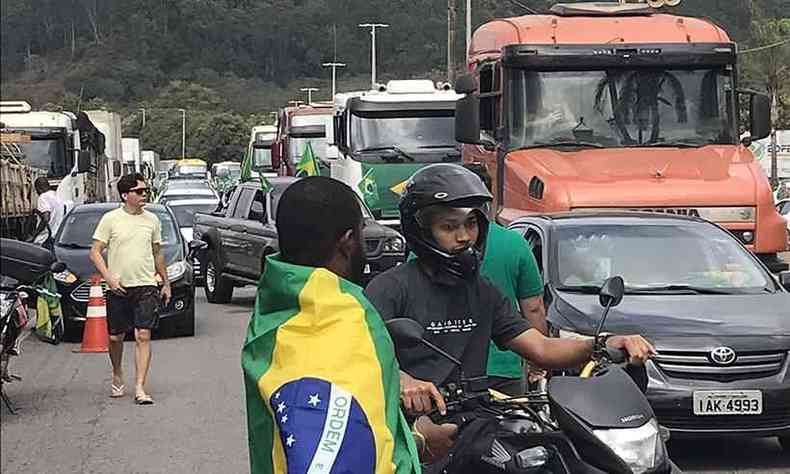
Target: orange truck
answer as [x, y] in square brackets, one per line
[617, 106]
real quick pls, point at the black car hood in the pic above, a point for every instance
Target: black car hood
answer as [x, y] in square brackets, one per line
[677, 315]
[79, 263]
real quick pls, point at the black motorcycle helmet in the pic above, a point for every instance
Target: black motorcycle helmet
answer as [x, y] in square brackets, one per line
[452, 186]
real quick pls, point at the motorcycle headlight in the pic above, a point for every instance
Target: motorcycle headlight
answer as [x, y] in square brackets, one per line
[394, 245]
[65, 277]
[176, 270]
[640, 448]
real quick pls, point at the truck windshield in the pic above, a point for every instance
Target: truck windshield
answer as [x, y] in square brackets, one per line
[48, 154]
[420, 135]
[620, 107]
[298, 144]
[262, 157]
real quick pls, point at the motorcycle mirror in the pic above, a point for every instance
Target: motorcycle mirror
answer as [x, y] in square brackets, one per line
[612, 291]
[406, 333]
[58, 267]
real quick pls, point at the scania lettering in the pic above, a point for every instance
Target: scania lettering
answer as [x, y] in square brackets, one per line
[386, 134]
[617, 106]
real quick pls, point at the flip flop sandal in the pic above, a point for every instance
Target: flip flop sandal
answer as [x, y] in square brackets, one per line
[143, 400]
[117, 391]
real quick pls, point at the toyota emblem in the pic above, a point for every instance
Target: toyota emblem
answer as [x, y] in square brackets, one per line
[722, 356]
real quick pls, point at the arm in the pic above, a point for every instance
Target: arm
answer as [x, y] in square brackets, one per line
[113, 282]
[535, 312]
[161, 269]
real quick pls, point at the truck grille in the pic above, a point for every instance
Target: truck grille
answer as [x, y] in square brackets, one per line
[698, 365]
[82, 292]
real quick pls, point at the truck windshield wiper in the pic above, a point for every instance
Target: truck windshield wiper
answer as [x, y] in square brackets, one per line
[568, 143]
[671, 145]
[700, 290]
[72, 245]
[388, 148]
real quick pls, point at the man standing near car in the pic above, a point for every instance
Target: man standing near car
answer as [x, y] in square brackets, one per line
[132, 237]
[51, 208]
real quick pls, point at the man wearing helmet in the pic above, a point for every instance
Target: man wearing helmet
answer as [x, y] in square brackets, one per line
[444, 219]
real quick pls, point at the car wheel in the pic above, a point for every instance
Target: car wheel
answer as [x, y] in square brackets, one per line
[218, 289]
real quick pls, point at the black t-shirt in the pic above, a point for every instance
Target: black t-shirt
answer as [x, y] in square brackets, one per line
[460, 318]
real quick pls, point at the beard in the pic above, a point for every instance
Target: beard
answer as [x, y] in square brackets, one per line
[357, 263]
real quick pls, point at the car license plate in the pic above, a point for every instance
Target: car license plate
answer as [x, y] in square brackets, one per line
[730, 402]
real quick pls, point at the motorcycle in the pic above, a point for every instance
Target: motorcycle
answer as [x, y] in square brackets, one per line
[599, 422]
[23, 267]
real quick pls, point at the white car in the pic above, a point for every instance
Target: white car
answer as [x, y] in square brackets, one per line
[783, 207]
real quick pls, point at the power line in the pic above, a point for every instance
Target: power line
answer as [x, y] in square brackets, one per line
[768, 46]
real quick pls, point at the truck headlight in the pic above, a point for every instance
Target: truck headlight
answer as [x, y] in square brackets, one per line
[65, 277]
[394, 245]
[728, 214]
[176, 270]
[640, 448]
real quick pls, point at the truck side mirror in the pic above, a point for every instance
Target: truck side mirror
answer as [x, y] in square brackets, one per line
[276, 155]
[466, 84]
[784, 280]
[83, 161]
[759, 116]
[467, 120]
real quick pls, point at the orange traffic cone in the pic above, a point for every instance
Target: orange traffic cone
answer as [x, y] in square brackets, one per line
[95, 337]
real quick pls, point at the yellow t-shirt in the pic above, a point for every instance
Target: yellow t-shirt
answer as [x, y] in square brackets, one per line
[129, 239]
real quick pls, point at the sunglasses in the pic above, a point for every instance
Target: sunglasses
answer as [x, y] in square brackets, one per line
[139, 191]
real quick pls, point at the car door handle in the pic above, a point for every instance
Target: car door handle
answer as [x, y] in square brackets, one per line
[238, 228]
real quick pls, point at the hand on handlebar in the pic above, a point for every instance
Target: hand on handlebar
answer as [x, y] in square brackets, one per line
[637, 347]
[419, 396]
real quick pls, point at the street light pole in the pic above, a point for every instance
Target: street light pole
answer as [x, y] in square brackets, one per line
[143, 110]
[334, 66]
[468, 25]
[309, 91]
[373, 27]
[183, 133]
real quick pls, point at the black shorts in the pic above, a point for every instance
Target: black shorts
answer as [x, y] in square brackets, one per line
[138, 308]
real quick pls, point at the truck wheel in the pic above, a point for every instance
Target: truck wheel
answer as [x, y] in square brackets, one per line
[218, 290]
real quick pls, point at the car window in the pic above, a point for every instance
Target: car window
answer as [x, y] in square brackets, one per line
[258, 207]
[244, 202]
[649, 256]
[78, 228]
[185, 213]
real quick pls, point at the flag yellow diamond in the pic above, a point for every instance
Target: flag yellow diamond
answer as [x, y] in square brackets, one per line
[400, 187]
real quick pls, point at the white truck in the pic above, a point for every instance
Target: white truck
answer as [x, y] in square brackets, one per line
[260, 149]
[132, 161]
[386, 134]
[149, 160]
[67, 146]
[109, 124]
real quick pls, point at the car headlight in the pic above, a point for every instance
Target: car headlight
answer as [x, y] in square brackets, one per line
[394, 245]
[640, 448]
[176, 270]
[65, 277]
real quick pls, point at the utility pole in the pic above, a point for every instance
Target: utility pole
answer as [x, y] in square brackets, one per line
[450, 41]
[183, 133]
[774, 146]
[334, 66]
[373, 27]
[143, 110]
[309, 91]
[468, 25]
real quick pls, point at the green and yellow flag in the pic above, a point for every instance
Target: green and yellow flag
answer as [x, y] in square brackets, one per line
[322, 381]
[246, 171]
[369, 189]
[308, 164]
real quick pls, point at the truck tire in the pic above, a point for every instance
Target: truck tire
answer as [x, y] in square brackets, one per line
[219, 290]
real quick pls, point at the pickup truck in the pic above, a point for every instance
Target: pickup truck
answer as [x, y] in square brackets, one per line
[242, 234]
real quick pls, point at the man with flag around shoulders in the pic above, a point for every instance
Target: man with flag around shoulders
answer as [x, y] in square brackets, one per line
[444, 220]
[321, 376]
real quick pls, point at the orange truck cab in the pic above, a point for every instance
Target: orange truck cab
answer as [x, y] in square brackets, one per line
[617, 106]
[296, 126]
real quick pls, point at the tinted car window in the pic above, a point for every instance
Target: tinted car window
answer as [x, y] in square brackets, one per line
[185, 213]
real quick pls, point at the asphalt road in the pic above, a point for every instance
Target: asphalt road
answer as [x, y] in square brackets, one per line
[68, 424]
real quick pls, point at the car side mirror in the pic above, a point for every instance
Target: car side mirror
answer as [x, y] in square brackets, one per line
[784, 280]
[57, 267]
[405, 332]
[759, 116]
[612, 292]
[195, 246]
[83, 161]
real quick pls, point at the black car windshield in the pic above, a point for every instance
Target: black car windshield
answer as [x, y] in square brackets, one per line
[420, 135]
[649, 257]
[620, 108]
[185, 213]
[77, 230]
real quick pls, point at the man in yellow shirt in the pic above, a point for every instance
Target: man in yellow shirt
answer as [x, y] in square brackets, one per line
[132, 237]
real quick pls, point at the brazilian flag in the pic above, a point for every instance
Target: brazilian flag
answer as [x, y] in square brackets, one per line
[368, 187]
[308, 164]
[246, 172]
[322, 381]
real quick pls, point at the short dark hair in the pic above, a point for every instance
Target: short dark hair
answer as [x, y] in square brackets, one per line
[42, 185]
[129, 181]
[312, 215]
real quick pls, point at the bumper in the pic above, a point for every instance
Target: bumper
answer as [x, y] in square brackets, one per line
[672, 401]
[75, 305]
